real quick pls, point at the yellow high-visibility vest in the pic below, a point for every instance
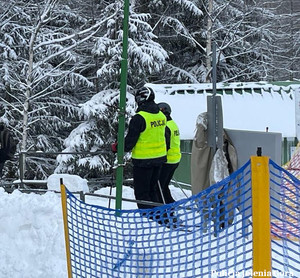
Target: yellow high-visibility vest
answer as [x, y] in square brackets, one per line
[173, 155]
[152, 142]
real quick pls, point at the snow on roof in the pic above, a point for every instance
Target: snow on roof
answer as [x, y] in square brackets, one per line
[251, 106]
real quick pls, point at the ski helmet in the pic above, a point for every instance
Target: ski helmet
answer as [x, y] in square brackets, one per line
[144, 94]
[165, 108]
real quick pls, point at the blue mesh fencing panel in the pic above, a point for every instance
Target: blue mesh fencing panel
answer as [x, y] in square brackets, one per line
[206, 235]
[285, 221]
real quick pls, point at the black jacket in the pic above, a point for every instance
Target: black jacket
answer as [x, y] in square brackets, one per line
[5, 144]
[136, 126]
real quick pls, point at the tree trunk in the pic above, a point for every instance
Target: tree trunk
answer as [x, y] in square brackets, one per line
[28, 93]
[209, 42]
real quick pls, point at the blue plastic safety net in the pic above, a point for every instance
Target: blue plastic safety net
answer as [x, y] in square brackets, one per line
[206, 235]
[285, 221]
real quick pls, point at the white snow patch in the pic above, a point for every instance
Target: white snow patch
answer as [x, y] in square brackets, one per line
[73, 183]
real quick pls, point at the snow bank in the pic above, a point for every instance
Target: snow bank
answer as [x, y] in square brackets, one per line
[74, 183]
[31, 236]
[31, 229]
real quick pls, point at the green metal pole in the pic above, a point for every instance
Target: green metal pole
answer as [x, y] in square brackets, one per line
[122, 105]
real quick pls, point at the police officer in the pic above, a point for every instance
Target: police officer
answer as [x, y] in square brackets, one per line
[173, 154]
[146, 139]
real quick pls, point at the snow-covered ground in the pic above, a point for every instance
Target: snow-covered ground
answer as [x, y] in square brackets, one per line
[31, 236]
[32, 243]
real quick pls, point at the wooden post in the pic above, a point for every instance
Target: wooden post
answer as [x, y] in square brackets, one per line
[65, 217]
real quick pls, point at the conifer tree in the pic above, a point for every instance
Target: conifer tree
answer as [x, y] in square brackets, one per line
[99, 130]
[43, 77]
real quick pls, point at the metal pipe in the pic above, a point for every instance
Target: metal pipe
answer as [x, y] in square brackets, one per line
[122, 103]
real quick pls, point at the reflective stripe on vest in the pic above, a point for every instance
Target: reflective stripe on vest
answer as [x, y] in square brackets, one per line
[152, 142]
[173, 155]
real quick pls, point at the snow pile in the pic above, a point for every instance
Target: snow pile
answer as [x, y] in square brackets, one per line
[74, 183]
[31, 236]
[31, 229]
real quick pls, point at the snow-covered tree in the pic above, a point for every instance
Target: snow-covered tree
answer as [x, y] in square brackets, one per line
[178, 25]
[42, 68]
[284, 49]
[242, 30]
[251, 38]
[232, 25]
[99, 130]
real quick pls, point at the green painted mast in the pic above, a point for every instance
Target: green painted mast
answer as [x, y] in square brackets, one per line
[122, 107]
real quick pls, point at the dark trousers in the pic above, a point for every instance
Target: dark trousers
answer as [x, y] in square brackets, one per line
[145, 182]
[166, 174]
